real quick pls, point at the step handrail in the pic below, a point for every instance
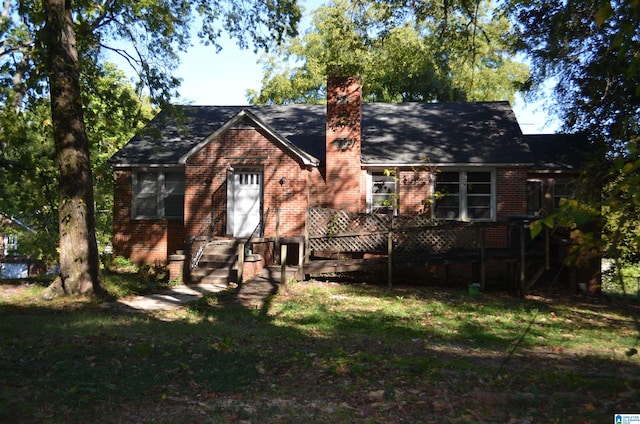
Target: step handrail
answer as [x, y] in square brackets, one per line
[198, 256]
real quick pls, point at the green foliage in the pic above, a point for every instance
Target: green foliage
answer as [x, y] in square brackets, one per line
[28, 187]
[444, 54]
[156, 274]
[589, 50]
[148, 35]
[621, 279]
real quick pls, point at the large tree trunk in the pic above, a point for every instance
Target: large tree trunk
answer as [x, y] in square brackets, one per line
[79, 261]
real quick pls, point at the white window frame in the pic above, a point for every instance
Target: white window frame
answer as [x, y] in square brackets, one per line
[161, 194]
[462, 194]
[371, 176]
[10, 244]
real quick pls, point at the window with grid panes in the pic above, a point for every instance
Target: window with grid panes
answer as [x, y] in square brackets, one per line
[465, 195]
[158, 195]
[383, 193]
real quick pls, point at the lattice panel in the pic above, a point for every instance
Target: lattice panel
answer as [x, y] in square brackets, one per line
[343, 231]
[436, 239]
[415, 221]
[329, 222]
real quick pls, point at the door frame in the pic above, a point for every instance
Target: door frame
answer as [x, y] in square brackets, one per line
[231, 195]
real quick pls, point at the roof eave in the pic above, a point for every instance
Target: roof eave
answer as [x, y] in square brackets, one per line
[444, 164]
[148, 165]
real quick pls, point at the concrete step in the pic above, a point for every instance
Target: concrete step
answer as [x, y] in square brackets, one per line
[220, 248]
[218, 260]
[210, 276]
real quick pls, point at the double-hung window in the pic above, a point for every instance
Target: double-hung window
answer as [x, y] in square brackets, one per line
[158, 194]
[383, 194]
[465, 195]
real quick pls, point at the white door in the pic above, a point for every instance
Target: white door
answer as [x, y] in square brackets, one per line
[245, 206]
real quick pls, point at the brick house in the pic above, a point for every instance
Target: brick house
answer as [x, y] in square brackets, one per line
[14, 264]
[227, 170]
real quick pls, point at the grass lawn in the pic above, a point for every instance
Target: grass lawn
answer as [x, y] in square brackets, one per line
[322, 353]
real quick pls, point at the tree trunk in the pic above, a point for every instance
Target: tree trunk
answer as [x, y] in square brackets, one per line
[79, 262]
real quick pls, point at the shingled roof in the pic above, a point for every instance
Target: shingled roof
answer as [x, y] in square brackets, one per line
[392, 133]
[555, 152]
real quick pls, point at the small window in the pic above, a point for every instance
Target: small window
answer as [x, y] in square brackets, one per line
[561, 190]
[158, 195]
[384, 197]
[534, 197]
[10, 244]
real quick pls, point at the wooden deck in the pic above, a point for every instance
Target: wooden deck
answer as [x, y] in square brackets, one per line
[329, 266]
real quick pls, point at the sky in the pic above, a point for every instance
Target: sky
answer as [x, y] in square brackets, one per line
[210, 78]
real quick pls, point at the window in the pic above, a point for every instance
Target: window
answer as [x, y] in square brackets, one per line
[158, 195]
[10, 244]
[561, 190]
[383, 195]
[534, 197]
[465, 195]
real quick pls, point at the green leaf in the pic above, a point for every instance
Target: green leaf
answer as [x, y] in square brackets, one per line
[536, 228]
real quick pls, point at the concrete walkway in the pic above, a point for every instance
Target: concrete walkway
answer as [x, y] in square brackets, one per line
[170, 299]
[251, 294]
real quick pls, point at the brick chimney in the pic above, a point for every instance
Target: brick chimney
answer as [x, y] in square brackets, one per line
[344, 120]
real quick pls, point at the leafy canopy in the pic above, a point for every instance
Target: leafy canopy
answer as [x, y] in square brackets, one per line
[448, 52]
[591, 50]
[149, 35]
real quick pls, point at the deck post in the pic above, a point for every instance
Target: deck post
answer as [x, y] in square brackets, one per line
[277, 241]
[390, 256]
[522, 256]
[283, 264]
[300, 273]
[306, 236]
[482, 258]
[547, 250]
[240, 261]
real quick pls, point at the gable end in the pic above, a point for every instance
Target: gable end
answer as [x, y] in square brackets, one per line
[239, 121]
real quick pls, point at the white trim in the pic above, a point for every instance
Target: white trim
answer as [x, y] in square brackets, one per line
[142, 166]
[232, 190]
[541, 193]
[369, 188]
[568, 172]
[230, 203]
[445, 165]
[306, 158]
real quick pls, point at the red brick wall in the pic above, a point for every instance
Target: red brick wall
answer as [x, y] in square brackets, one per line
[144, 240]
[511, 199]
[343, 172]
[414, 191]
[511, 196]
[249, 148]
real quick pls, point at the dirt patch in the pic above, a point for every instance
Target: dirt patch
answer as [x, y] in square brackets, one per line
[11, 289]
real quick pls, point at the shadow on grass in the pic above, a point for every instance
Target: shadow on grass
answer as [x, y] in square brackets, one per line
[81, 361]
